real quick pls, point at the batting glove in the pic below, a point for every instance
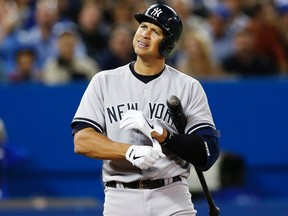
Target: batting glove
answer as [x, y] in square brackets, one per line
[142, 157]
[134, 119]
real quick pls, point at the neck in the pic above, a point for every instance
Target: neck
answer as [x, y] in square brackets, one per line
[149, 68]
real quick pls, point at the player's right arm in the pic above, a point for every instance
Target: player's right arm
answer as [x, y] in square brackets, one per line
[92, 144]
[89, 134]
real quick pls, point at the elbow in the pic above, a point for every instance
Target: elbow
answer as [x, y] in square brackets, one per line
[78, 144]
[212, 153]
[78, 149]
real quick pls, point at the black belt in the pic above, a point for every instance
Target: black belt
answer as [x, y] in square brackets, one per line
[144, 184]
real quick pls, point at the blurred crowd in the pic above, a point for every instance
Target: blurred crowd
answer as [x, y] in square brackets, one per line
[59, 41]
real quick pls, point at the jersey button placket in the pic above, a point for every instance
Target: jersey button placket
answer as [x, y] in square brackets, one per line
[145, 95]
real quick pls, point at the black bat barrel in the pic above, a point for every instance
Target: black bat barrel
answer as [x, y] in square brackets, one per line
[177, 114]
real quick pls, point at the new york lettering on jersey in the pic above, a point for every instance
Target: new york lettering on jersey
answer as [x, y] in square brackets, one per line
[156, 111]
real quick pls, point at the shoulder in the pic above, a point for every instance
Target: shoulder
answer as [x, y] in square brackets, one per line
[116, 73]
[181, 82]
[177, 75]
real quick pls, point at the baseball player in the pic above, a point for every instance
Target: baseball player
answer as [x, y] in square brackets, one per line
[124, 120]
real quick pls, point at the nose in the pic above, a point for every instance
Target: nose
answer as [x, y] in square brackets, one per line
[145, 34]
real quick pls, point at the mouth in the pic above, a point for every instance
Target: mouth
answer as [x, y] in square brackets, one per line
[142, 44]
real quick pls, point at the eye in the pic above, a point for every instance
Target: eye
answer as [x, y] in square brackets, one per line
[156, 32]
[143, 26]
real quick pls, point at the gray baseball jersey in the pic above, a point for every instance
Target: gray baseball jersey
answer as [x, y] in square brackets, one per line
[111, 93]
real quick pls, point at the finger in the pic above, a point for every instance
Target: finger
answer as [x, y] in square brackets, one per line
[156, 145]
[153, 157]
[161, 154]
[130, 113]
[142, 165]
[136, 115]
[126, 117]
[127, 124]
[148, 164]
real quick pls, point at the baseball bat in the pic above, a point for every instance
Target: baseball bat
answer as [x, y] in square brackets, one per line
[180, 120]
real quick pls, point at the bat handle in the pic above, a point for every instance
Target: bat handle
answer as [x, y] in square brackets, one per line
[213, 209]
[180, 120]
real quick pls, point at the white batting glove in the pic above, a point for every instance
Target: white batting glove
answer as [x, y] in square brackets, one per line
[134, 119]
[157, 147]
[142, 157]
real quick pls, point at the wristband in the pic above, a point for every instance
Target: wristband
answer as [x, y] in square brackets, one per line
[168, 137]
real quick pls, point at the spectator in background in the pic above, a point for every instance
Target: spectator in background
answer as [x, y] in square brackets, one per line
[92, 28]
[268, 41]
[245, 61]
[207, 3]
[283, 25]
[43, 35]
[185, 9]
[68, 10]
[8, 28]
[217, 30]
[120, 50]
[195, 58]
[122, 12]
[3, 76]
[190, 21]
[17, 14]
[66, 67]
[25, 61]
[25, 13]
[238, 19]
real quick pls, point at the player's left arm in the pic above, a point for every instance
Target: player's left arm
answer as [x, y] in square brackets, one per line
[200, 147]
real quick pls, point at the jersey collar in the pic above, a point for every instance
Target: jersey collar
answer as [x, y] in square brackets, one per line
[144, 78]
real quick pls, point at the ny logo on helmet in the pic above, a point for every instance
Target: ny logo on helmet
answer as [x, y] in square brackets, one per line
[156, 12]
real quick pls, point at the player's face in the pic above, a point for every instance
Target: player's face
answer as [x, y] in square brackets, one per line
[146, 40]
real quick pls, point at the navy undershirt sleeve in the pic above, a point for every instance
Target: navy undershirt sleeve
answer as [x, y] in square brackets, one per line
[77, 126]
[189, 147]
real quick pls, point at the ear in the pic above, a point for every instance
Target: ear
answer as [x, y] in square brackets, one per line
[166, 46]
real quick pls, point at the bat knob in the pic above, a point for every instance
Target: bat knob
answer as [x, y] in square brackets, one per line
[215, 212]
[173, 101]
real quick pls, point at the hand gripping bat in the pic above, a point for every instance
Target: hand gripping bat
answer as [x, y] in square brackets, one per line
[180, 120]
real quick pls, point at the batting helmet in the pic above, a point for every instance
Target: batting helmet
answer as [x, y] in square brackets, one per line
[168, 20]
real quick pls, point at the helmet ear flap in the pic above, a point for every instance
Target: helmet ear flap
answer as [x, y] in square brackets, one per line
[166, 46]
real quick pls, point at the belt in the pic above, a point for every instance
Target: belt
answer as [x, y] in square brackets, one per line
[144, 184]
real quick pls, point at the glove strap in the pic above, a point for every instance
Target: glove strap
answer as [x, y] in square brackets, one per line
[129, 152]
[168, 137]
